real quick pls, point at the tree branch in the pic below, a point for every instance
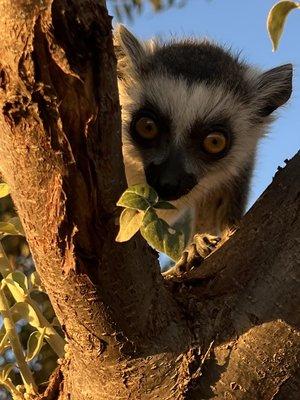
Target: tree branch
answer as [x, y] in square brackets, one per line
[245, 297]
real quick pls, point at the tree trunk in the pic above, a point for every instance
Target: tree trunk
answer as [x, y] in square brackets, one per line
[228, 330]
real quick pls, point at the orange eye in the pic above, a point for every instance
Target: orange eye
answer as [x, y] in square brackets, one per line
[214, 143]
[146, 128]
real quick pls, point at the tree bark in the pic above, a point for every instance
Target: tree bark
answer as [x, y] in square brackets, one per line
[246, 299]
[226, 330]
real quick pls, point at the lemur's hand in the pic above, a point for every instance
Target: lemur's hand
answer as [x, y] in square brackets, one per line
[201, 246]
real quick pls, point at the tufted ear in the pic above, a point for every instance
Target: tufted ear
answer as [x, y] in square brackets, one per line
[129, 50]
[273, 89]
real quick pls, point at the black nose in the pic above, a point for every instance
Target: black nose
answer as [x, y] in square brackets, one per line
[169, 184]
[168, 191]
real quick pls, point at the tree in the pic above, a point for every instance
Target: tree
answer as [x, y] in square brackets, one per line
[229, 329]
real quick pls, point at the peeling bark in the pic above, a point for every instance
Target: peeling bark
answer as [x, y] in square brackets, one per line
[229, 330]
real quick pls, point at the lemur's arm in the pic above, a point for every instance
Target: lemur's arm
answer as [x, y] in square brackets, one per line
[215, 220]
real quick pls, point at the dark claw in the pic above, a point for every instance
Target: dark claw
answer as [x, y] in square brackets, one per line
[195, 253]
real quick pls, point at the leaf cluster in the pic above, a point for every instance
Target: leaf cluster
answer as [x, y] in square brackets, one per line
[19, 302]
[141, 204]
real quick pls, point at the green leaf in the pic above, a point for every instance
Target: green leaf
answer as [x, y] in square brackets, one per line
[15, 221]
[161, 236]
[7, 228]
[130, 223]
[12, 227]
[164, 205]
[24, 310]
[5, 371]
[4, 190]
[34, 281]
[138, 197]
[4, 263]
[20, 278]
[276, 20]
[17, 283]
[35, 343]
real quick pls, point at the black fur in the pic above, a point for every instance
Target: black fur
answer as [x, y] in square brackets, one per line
[198, 62]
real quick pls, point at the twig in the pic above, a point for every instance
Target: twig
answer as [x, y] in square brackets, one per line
[9, 325]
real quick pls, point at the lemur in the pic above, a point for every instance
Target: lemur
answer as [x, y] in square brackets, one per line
[192, 116]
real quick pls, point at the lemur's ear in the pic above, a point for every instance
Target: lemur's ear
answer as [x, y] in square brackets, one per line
[129, 50]
[274, 88]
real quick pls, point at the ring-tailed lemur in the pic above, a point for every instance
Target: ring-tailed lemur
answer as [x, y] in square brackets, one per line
[192, 116]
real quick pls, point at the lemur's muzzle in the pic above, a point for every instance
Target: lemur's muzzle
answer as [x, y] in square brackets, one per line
[169, 179]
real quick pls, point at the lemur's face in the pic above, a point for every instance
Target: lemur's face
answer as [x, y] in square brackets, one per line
[192, 113]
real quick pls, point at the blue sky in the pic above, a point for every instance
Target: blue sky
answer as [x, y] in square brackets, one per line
[242, 25]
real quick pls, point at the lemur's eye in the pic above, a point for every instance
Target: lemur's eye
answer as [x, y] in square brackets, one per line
[146, 128]
[214, 143]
